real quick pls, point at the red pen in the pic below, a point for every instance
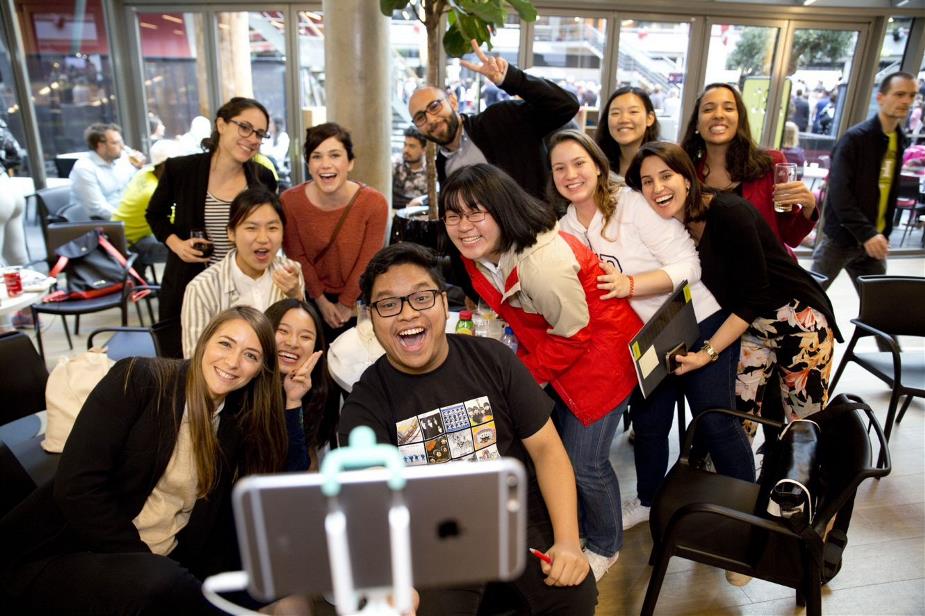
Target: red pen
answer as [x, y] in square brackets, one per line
[541, 556]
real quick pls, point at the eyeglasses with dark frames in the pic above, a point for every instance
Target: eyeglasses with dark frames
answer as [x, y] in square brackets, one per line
[246, 130]
[419, 300]
[432, 108]
[451, 219]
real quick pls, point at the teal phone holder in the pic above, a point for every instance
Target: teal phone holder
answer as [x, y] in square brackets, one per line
[361, 452]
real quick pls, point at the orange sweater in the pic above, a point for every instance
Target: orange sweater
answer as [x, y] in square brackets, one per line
[308, 231]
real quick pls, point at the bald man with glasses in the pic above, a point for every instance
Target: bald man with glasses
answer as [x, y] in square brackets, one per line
[509, 134]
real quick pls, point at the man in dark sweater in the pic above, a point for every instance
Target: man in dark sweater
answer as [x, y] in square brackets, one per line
[863, 185]
[508, 134]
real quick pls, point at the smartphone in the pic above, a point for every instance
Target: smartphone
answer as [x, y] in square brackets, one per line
[468, 525]
[671, 357]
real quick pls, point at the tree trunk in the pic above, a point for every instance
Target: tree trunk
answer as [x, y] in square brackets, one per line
[433, 9]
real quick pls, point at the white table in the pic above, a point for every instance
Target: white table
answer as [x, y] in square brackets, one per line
[37, 285]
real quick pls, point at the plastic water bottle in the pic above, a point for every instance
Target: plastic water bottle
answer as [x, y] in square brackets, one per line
[509, 339]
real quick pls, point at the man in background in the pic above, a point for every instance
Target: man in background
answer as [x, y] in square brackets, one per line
[409, 174]
[98, 180]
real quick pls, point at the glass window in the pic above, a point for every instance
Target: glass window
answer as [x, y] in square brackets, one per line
[409, 69]
[472, 90]
[653, 56]
[814, 93]
[67, 55]
[743, 56]
[917, 116]
[13, 158]
[311, 67]
[570, 51]
[891, 56]
[175, 75]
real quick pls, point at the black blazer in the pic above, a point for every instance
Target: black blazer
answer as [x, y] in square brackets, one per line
[115, 455]
[182, 188]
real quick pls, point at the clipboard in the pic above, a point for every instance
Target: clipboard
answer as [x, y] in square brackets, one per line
[673, 325]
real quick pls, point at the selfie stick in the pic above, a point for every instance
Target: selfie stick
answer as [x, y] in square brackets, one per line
[363, 452]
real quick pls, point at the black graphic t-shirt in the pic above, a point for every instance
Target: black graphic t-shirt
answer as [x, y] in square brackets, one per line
[478, 405]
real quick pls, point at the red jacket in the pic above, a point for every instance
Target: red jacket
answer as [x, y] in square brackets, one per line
[592, 370]
[789, 227]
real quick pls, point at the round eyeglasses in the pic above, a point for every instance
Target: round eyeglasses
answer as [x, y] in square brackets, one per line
[419, 300]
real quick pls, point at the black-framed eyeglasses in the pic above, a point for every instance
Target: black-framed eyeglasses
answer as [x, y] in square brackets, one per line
[419, 300]
[246, 130]
[432, 108]
[451, 219]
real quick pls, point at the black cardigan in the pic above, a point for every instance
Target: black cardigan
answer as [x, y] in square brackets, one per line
[182, 188]
[511, 133]
[746, 267]
[116, 453]
[850, 212]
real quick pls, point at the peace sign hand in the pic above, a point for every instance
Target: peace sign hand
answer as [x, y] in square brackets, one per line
[493, 67]
[299, 382]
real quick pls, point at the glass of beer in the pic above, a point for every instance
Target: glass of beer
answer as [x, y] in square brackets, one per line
[783, 173]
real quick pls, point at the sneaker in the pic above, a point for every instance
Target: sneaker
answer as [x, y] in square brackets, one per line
[634, 512]
[737, 579]
[599, 564]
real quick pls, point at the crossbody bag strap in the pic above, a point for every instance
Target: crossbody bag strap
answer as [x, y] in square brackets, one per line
[339, 226]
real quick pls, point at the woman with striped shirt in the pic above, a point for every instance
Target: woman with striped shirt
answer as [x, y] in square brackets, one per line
[252, 273]
[195, 192]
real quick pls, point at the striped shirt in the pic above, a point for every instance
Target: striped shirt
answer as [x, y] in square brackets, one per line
[214, 290]
[216, 215]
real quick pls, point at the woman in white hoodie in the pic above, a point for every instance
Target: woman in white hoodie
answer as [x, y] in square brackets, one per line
[646, 258]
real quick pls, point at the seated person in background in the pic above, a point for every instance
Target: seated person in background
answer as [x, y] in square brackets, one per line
[409, 175]
[98, 180]
[276, 148]
[426, 375]
[134, 204]
[790, 147]
[251, 274]
[139, 511]
[300, 350]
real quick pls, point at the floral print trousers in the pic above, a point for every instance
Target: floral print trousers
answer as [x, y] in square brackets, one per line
[798, 345]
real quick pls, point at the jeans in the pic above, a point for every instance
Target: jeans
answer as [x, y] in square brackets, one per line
[712, 386]
[830, 258]
[600, 514]
[149, 251]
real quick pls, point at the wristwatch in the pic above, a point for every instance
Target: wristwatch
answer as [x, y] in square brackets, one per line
[710, 351]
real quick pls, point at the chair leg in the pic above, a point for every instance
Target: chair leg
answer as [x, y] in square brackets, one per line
[67, 333]
[902, 411]
[76, 324]
[888, 425]
[848, 356]
[814, 593]
[655, 582]
[124, 308]
[150, 311]
[38, 333]
[141, 320]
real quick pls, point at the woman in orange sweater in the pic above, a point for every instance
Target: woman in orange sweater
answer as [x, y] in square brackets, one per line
[334, 226]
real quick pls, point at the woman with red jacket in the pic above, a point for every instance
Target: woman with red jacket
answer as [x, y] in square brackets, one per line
[544, 284]
[718, 139]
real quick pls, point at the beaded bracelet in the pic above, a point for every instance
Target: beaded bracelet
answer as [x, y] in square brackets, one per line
[632, 286]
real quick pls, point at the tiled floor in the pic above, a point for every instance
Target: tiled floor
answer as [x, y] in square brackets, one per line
[884, 566]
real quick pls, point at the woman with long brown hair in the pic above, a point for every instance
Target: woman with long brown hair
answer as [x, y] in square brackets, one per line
[139, 511]
[718, 139]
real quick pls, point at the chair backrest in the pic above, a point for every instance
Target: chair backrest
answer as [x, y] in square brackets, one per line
[125, 342]
[61, 233]
[893, 304]
[23, 387]
[50, 203]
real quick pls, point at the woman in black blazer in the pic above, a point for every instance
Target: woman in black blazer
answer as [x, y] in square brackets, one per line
[196, 191]
[139, 511]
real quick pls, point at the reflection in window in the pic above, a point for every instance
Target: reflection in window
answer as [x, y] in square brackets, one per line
[570, 51]
[175, 74]
[742, 56]
[820, 63]
[653, 56]
[67, 56]
[13, 158]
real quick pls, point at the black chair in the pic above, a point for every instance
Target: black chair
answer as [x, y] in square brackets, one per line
[50, 205]
[125, 342]
[719, 521]
[890, 306]
[23, 387]
[58, 235]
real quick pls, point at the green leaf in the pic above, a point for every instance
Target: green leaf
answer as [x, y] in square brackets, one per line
[387, 7]
[524, 8]
[489, 11]
[454, 43]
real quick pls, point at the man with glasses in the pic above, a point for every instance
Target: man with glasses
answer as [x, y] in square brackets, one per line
[442, 398]
[509, 134]
[98, 180]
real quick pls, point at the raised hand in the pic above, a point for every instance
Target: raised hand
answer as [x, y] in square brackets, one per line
[493, 67]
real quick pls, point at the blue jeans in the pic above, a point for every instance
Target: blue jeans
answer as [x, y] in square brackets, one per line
[600, 516]
[712, 386]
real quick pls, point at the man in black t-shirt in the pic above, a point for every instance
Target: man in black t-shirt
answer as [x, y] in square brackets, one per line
[441, 398]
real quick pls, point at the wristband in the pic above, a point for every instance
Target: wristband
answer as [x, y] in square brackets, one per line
[632, 286]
